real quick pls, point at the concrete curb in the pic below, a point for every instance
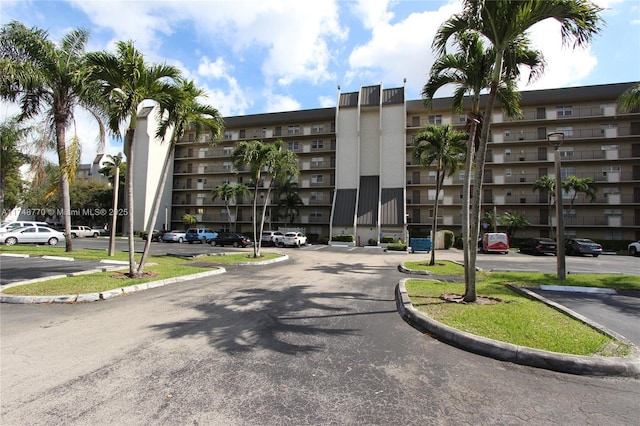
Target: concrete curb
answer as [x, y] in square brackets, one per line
[574, 364]
[95, 297]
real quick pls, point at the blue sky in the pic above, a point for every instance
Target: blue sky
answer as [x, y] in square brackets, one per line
[279, 55]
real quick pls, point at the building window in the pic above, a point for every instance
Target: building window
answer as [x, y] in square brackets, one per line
[507, 172]
[610, 147]
[613, 212]
[315, 214]
[227, 150]
[566, 151]
[507, 152]
[564, 111]
[317, 162]
[316, 179]
[316, 196]
[507, 133]
[317, 128]
[435, 119]
[293, 145]
[568, 130]
[432, 175]
[192, 137]
[293, 130]
[227, 165]
[226, 180]
[508, 192]
[319, 144]
[565, 172]
[242, 133]
[613, 234]
[610, 169]
[227, 135]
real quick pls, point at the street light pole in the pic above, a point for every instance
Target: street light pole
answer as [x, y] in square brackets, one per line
[166, 218]
[556, 139]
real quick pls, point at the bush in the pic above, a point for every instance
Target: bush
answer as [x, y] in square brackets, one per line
[343, 238]
[372, 242]
[397, 247]
[387, 239]
[448, 239]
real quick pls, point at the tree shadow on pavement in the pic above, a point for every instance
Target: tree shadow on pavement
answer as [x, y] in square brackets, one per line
[288, 321]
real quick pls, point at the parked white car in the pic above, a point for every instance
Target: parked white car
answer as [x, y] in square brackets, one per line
[32, 235]
[12, 226]
[272, 238]
[295, 239]
[634, 248]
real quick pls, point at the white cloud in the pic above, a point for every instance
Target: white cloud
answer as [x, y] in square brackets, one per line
[327, 101]
[279, 103]
[397, 51]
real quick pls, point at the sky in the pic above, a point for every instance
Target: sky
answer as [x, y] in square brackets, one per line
[261, 56]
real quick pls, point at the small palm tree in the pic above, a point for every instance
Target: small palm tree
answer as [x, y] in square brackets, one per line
[574, 185]
[230, 195]
[547, 185]
[443, 146]
[112, 169]
[189, 219]
[513, 221]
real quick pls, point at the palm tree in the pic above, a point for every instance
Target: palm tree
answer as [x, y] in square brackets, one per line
[126, 80]
[574, 185]
[187, 112]
[513, 221]
[112, 169]
[630, 99]
[548, 185]
[230, 194]
[271, 160]
[189, 219]
[443, 146]
[470, 70]
[48, 78]
[12, 134]
[504, 24]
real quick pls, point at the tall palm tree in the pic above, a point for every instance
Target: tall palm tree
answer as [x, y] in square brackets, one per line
[443, 146]
[230, 195]
[186, 112]
[547, 185]
[470, 69]
[126, 80]
[574, 185]
[48, 78]
[112, 169]
[288, 199]
[270, 160]
[504, 24]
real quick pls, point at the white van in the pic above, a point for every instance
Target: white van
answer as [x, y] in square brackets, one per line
[11, 226]
[495, 242]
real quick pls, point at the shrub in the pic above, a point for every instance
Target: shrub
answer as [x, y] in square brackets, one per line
[372, 242]
[448, 239]
[343, 238]
[387, 239]
[397, 247]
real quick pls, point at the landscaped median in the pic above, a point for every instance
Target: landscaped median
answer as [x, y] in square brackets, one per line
[88, 287]
[512, 324]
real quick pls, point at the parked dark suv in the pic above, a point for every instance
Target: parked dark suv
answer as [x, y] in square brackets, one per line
[580, 246]
[536, 246]
[201, 235]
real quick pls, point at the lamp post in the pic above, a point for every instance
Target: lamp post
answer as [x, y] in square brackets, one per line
[556, 139]
[166, 218]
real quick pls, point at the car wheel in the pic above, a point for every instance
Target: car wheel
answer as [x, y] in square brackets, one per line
[190, 242]
[52, 241]
[596, 255]
[11, 241]
[180, 240]
[236, 244]
[213, 243]
[96, 235]
[74, 235]
[281, 244]
[633, 251]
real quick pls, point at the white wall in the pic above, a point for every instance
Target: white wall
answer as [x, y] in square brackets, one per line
[393, 149]
[347, 141]
[370, 142]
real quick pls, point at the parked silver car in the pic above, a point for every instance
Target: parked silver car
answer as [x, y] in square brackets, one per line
[174, 236]
[32, 235]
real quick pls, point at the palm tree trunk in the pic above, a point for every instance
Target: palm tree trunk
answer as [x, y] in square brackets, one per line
[64, 184]
[256, 245]
[258, 242]
[474, 230]
[114, 217]
[434, 227]
[466, 188]
[129, 186]
[155, 207]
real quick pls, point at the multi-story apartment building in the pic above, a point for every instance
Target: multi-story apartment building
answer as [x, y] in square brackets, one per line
[357, 175]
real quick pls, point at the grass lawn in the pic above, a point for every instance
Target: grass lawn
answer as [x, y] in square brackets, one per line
[516, 319]
[157, 268]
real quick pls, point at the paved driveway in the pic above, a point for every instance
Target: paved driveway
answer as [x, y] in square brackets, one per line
[313, 340]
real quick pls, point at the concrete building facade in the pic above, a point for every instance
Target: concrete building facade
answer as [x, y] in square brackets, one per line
[357, 175]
